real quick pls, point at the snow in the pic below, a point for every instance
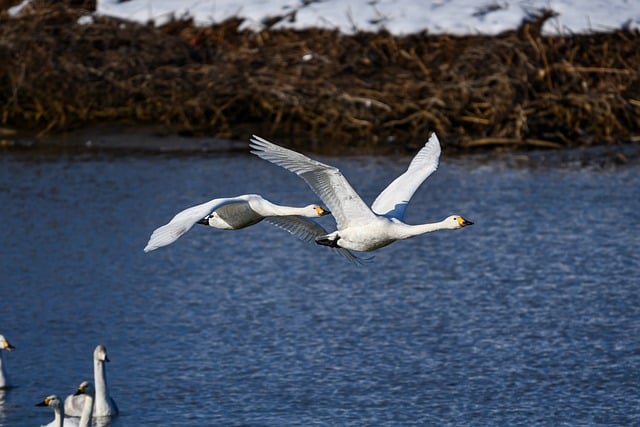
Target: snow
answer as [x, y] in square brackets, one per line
[400, 17]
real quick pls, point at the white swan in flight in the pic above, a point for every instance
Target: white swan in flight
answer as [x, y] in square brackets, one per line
[4, 377]
[360, 227]
[59, 419]
[103, 405]
[231, 213]
[234, 213]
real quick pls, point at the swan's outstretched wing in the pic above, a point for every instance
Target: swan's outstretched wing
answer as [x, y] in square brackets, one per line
[394, 199]
[307, 231]
[326, 181]
[184, 220]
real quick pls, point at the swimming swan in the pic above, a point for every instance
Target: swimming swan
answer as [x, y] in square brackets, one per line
[232, 213]
[4, 377]
[361, 228]
[103, 405]
[59, 419]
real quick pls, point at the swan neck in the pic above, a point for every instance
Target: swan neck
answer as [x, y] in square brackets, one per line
[100, 380]
[87, 411]
[58, 415]
[417, 230]
[4, 379]
[277, 210]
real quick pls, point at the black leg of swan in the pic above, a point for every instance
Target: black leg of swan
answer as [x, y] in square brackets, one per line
[326, 241]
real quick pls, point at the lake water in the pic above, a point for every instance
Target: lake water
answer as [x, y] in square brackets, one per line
[529, 317]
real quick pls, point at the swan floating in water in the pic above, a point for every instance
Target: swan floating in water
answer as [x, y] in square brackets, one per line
[4, 377]
[103, 404]
[360, 227]
[234, 213]
[59, 419]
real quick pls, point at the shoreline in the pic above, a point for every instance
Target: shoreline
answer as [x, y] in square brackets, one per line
[365, 93]
[117, 140]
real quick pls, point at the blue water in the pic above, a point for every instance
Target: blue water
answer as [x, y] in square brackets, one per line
[529, 317]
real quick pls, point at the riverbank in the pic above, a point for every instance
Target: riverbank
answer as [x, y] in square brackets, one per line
[64, 68]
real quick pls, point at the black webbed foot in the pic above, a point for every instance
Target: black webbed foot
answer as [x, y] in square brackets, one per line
[326, 241]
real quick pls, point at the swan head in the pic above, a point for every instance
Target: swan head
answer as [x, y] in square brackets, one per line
[100, 354]
[51, 401]
[84, 388]
[454, 222]
[4, 344]
[317, 211]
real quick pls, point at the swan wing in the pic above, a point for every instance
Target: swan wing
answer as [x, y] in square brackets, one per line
[326, 181]
[73, 405]
[394, 199]
[184, 220]
[307, 231]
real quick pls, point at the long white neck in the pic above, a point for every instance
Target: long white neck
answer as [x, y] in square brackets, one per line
[58, 415]
[102, 391]
[270, 209]
[87, 411]
[406, 231]
[4, 378]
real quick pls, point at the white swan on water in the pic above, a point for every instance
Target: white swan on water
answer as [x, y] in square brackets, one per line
[86, 391]
[103, 405]
[234, 213]
[360, 227]
[4, 377]
[59, 419]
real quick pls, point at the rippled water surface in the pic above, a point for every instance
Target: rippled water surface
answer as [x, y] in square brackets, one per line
[529, 317]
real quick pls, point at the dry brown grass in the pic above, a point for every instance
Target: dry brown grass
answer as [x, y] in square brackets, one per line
[366, 91]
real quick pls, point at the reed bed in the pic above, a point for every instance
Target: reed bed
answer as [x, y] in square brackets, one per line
[319, 89]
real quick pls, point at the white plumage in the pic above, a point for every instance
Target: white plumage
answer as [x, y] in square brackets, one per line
[103, 405]
[4, 376]
[360, 227]
[234, 213]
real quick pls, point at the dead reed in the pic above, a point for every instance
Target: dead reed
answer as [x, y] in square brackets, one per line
[362, 92]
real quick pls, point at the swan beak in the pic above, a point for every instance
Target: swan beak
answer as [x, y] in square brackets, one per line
[322, 211]
[463, 222]
[7, 346]
[45, 402]
[79, 392]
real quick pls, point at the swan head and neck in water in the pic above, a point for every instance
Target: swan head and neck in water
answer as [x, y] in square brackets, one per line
[104, 406]
[58, 410]
[4, 377]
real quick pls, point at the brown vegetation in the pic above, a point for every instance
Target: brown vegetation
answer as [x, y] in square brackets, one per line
[364, 91]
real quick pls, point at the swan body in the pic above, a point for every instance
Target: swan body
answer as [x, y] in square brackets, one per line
[360, 227]
[103, 404]
[59, 419]
[232, 213]
[4, 377]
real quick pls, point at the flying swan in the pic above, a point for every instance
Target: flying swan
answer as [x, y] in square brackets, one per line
[103, 404]
[360, 227]
[234, 213]
[4, 377]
